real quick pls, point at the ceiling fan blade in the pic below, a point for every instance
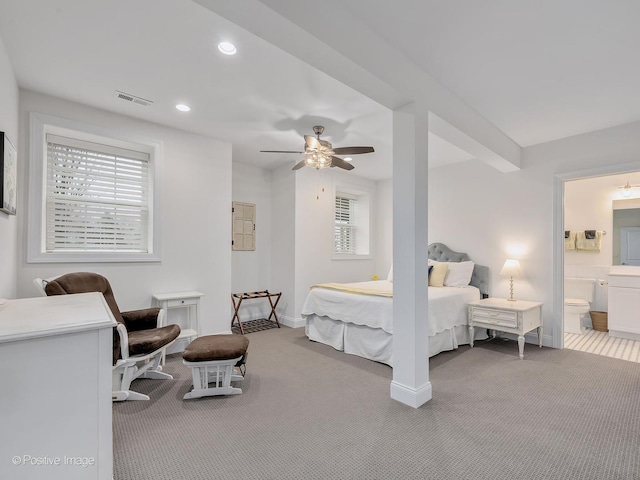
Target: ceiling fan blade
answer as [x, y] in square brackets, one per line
[299, 165]
[340, 163]
[352, 150]
[278, 151]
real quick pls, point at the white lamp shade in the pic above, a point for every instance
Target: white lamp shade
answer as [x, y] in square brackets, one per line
[511, 268]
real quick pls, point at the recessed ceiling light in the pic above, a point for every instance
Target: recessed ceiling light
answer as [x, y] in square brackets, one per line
[227, 48]
[348, 159]
[183, 108]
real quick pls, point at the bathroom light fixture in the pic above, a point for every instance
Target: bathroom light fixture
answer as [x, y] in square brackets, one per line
[183, 108]
[626, 189]
[227, 48]
[511, 268]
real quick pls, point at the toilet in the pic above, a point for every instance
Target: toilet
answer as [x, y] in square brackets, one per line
[578, 294]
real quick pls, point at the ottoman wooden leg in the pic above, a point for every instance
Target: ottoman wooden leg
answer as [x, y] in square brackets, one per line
[216, 372]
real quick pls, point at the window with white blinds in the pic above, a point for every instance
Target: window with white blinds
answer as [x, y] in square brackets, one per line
[97, 197]
[345, 224]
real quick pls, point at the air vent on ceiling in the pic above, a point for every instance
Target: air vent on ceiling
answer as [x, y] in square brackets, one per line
[132, 98]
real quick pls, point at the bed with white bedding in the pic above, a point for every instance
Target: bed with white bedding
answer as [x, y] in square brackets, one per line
[357, 318]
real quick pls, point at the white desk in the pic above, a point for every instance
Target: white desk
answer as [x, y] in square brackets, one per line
[56, 356]
[518, 317]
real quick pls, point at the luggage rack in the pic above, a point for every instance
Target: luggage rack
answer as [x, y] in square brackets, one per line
[251, 296]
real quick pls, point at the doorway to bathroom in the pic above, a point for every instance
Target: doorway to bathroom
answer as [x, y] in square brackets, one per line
[601, 221]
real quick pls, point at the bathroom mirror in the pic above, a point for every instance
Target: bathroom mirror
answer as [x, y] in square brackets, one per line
[626, 232]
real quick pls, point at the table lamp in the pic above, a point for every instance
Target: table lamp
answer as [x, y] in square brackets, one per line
[511, 268]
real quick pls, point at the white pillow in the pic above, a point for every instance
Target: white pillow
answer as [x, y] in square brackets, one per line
[390, 276]
[459, 274]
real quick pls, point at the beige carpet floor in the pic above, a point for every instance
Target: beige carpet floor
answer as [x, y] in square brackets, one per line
[310, 412]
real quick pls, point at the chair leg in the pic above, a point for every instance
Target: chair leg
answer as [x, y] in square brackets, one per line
[124, 374]
[121, 396]
[156, 375]
[128, 375]
[155, 370]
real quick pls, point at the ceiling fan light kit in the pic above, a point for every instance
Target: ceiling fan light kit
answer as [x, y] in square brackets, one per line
[317, 160]
[321, 154]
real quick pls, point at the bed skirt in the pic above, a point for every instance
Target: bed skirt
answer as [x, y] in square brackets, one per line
[376, 344]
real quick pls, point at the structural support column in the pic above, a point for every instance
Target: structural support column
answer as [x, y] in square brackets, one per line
[410, 383]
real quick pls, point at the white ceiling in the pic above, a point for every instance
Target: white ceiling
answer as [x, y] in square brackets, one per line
[537, 70]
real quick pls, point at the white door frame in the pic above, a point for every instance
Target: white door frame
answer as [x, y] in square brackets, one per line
[558, 235]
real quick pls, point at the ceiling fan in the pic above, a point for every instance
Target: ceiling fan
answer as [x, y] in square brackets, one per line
[321, 154]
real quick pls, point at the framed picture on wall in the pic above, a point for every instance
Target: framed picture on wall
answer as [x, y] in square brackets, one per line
[8, 175]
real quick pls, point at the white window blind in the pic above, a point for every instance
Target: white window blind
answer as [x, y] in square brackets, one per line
[345, 222]
[97, 197]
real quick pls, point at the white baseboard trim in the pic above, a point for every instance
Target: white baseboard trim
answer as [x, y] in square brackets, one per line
[292, 322]
[411, 396]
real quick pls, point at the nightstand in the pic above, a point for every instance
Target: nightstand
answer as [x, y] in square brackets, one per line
[518, 317]
[189, 301]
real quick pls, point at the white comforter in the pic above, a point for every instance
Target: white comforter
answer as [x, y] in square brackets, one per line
[447, 306]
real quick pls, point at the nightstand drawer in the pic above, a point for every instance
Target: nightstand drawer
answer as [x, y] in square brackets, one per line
[495, 317]
[182, 303]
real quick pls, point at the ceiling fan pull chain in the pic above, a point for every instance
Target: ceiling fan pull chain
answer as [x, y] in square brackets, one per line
[320, 188]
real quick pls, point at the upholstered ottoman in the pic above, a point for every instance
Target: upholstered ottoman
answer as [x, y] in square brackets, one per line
[212, 359]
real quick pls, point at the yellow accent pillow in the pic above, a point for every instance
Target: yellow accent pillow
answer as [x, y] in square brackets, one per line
[436, 279]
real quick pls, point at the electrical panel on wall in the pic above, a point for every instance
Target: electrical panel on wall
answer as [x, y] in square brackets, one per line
[244, 226]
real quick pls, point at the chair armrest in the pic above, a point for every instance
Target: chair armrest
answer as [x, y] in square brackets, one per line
[144, 319]
[123, 344]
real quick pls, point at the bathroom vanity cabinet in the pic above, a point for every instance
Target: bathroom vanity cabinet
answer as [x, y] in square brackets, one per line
[624, 302]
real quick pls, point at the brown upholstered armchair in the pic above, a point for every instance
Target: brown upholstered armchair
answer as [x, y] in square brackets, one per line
[139, 340]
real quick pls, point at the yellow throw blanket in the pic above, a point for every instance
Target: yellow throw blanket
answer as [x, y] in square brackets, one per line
[362, 291]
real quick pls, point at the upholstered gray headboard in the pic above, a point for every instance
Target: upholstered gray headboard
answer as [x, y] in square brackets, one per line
[480, 277]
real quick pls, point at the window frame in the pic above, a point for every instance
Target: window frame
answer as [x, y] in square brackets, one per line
[365, 201]
[350, 227]
[42, 124]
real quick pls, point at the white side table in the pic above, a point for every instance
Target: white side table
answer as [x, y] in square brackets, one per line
[188, 300]
[518, 317]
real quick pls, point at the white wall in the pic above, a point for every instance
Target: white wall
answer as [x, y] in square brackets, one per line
[251, 270]
[384, 223]
[9, 223]
[302, 235]
[196, 216]
[587, 206]
[283, 240]
[314, 232]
